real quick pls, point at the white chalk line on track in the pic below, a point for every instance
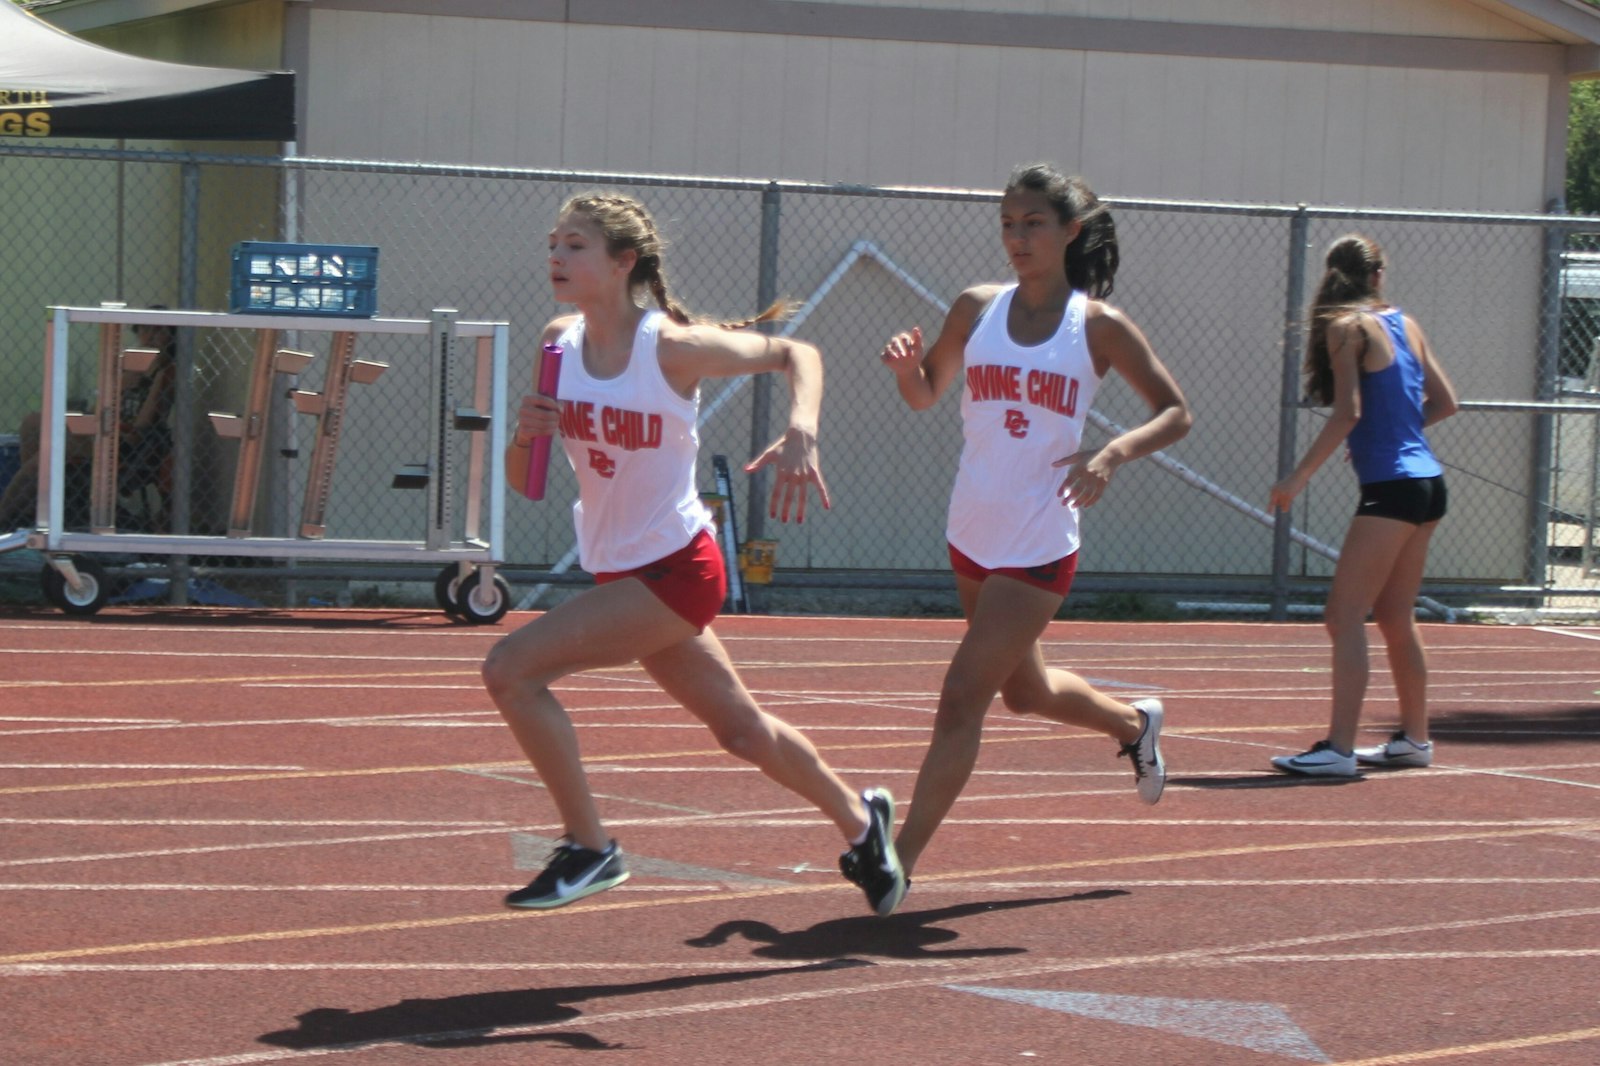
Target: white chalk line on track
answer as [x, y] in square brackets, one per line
[55, 969]
[138, 766]
[92, 720]
[763, 817]
[1084, 635]
[1414, 956]
[266, 845]
[1581, 634]
[963, 888]
[796, 819]
[874, 627]
[259, 823]
[978, 973]
[387, 655]
[445, 967]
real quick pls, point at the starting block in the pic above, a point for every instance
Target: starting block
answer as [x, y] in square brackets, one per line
[104, 423]
[251, 430]
[328, 407]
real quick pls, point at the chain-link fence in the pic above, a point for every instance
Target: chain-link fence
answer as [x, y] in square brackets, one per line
[1219, 289]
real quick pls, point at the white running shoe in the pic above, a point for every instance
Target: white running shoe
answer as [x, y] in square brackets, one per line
[1149, 769]
[1399, 750]
[1320, 760]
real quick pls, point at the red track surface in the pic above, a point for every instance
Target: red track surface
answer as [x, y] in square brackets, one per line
[231, 838]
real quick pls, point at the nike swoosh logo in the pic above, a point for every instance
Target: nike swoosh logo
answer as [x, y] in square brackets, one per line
[565, 887]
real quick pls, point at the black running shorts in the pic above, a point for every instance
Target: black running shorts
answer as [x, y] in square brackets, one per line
[1417, 500]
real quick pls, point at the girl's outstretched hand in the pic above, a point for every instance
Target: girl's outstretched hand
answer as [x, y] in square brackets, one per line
[794, 455]
[1088, 474]
[903, 353]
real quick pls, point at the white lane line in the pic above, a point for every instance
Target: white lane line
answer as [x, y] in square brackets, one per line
[146, 653]
[1080, 640]
[156, 853]
[953, 886]
[137, 766]
[273, 823]
[1541, 778]
[52, 969]
[1581, 634]
[804, 812]
[742, 820]
[966, 887]
[497, 888]
[1079, 664]
[1417, 956]
[363, 686]
[29, 969]
[347, 721]
[90, 721]
[252, 632]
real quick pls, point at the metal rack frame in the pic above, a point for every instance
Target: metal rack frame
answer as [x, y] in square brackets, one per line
[474, 557]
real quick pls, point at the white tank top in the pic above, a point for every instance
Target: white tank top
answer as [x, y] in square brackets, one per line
[633, 443]
[1022, 408]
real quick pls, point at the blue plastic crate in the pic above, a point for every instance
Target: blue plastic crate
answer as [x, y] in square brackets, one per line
[338, 280]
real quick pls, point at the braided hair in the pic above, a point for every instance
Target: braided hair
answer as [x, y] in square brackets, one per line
[1349, 281]
[1092, 257]
[625, 224]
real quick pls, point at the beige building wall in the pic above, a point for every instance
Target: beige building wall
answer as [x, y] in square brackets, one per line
[1429, 103]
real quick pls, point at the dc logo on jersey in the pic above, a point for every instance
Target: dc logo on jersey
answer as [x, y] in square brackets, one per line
[1016, 423]
[602, 463]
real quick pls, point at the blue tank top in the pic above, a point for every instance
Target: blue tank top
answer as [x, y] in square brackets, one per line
[1387, 443]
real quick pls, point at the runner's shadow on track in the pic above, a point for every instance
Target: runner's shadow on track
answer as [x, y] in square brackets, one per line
[472, 1020]
[1266, 780]
[904, 935]
[1542, 726]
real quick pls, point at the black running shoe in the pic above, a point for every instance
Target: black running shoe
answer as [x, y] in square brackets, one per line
[571, 874]
[873, 864]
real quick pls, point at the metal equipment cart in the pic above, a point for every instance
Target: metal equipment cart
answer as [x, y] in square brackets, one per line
[467, 586]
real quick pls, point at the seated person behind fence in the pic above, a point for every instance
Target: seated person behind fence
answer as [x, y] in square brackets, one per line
[146, 442]
[18, 501]
[146, 446]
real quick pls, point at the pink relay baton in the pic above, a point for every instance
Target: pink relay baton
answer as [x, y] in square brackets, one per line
[539, 455]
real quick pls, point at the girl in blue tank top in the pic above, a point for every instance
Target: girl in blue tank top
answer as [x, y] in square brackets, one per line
[1387, 441]
[1372, 363]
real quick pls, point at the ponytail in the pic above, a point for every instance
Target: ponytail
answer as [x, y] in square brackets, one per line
[1349, 282]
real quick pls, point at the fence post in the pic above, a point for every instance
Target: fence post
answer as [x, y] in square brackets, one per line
[1546, 371]
[1289, 401]
[755, 507]
[184, 399]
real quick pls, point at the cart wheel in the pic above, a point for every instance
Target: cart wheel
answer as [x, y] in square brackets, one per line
[483, 607]
[447, 591]
[87, 600]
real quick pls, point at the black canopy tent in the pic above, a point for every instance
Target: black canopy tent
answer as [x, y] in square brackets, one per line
[53, 84]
